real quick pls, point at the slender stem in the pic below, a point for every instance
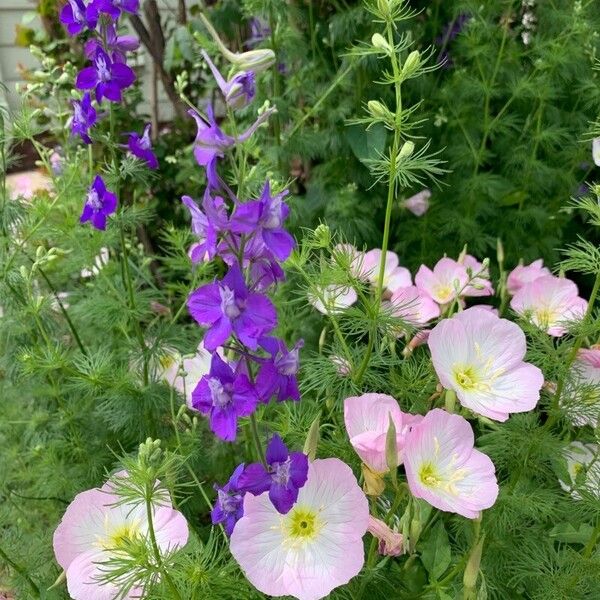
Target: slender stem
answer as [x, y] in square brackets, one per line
[256, 438]
[389, 204]
[155, 547]
[21, 571]
[276, 78]
[589, 547]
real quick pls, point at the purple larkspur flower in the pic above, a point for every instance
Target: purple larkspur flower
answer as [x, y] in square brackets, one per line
[286, 472]
[207, 223]
[99, 203]
[229, 505]
[225, 396]
[227, 307]
[113, 8]
[259, 31]
[141, 147]
[76, 15]
[84, 117]
[265, 271]
[211, 142]
[117, 45]
[107, 77]
[450, 32]
[265, 218]
[277, 375]
[239, 90]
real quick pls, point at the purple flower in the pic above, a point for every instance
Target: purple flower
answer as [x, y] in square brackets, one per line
[277, 375]
[84, 117]
[99, 203]
[116, 44]
[108, 77]
[265, 271]
[227, 307]
[239, 90]
[229, 505]
[76, 15]
[284, 475]
[207, 223]
[225, 396]
[211, 143]
[141, 147]
[113, 8]
[265, 218]
[259, 31]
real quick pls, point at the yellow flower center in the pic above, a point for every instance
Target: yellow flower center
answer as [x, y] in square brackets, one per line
[443, 292]
[545, 316]
[120, 536]
[466, 377]
[429, 476]
[303, 524]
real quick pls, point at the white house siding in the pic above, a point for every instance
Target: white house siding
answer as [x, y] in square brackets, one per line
[11, 14]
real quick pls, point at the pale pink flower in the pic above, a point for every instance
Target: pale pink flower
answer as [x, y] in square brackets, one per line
[95, 529]
[523, 274]
[185, 373]
[443, 467]
[414, 306]
[394, 276]
[582, 458]
[447, 280]
[419, 203]
[367, 420]
[333, 298]
[582, 396]
[596, 151]
[342, 365]
[480, 357]
[551, 303]
[417, 340]
[391, 543]
[354, 257]
[315, 547]
[26, 185]
[480, 284]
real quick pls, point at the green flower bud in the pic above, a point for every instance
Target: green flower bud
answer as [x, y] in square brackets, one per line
[499, 251]
[322, 236]
[378, 110]
[472, 568]
[312, 439]
[413, 61]
[407, 149]
[380, 42]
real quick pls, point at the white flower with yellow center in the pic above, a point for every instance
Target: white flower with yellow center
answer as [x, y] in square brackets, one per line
[315, 547]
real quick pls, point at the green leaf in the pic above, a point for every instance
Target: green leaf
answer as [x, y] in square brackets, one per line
[185, 42]
[566, 532]
[366, 144]
[436, 554]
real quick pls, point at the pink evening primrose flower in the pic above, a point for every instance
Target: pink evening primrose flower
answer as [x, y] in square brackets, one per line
[480, 357]
[419, 203]
[583, 466]
[523, 274]
[414, 306]
[551, 303]
[394, 276]
[447, 280]
[367, 420]
[333, 298]
[444, 469]
[583, 406]
[315, 547]
[94, 530]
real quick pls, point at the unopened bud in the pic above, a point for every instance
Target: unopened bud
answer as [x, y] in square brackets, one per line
[499, 251]
[373, 482]
[253, 60]
[312, 439]
[377, 109]
[413, 60]
[472, 568]
[384, 7]
[380, 42]
[407, 149]
[322, 236]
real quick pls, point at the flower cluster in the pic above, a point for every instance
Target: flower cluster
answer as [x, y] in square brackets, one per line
[105, 78]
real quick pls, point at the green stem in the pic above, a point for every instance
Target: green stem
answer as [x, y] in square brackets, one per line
[389, 204]
[589, 548]
[154, 544]
[22, 572]
[256, 439]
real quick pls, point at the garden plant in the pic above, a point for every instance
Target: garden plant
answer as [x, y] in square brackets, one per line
[330, 332]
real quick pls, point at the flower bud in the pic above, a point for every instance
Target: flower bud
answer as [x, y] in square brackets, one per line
[380, 42]
[412, 63]
[312, 439]
[377, 109]
[373, 482]
[391, 449]
[253, 60]
[407, 149]
[322, 236]
[472, 568]
[384, 7]
[499, 251]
